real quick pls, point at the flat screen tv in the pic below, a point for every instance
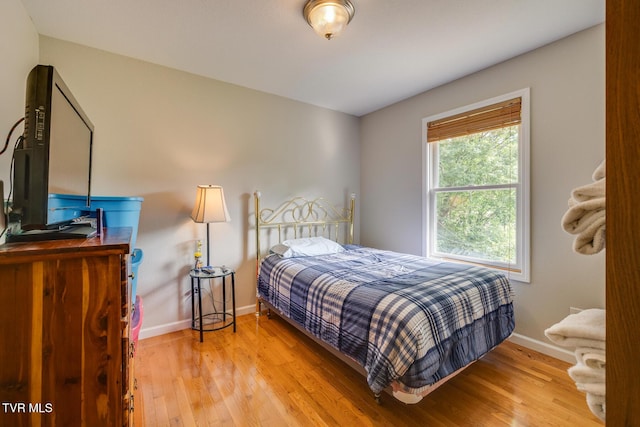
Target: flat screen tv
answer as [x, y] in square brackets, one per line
[53, 158]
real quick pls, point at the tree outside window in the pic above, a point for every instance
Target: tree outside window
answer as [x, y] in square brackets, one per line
[476, 187]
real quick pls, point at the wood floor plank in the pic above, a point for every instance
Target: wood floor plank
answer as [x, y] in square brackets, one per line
[269, 374]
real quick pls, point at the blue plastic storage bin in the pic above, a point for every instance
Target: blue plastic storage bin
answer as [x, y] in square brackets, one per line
[118, 211]
[136, 259]
[65, 207]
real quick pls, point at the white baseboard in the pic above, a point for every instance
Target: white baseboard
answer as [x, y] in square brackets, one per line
[544, 348]
[183, 324]
[163, 329]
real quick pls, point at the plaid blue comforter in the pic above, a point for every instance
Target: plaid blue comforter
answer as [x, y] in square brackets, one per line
[402, 317]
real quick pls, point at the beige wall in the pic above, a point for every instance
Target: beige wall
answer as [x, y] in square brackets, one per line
[161, 132]
[19, 53]
[567, 143]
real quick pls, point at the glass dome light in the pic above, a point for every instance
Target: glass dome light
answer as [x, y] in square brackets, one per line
[328, 17]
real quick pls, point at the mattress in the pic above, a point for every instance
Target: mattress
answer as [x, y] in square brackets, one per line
[407, 320]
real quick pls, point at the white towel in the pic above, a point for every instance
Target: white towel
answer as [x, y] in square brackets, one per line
[583, 329]
[586, 214]
[600, 171]
[593, 383]
[593, 190]
[593, 239]
[592, 388]
[582, 374]
[581, 215]
[597, 405]
[594, 358]
[586, 219]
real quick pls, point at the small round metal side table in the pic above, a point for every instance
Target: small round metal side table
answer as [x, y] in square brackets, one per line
[220, 319]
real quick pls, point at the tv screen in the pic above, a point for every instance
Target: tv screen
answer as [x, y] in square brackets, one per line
[54, 156]
[69, 148]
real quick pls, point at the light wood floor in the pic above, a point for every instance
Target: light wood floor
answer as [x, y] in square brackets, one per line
[269, 374]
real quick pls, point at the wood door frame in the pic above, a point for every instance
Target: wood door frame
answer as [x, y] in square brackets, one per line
[623, 211]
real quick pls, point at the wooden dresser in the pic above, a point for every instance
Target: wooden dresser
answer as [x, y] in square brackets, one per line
[65, 310]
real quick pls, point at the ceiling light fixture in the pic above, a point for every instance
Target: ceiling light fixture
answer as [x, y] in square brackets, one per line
[328, 17]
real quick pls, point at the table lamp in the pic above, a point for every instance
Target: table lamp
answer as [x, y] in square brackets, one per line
[210, 207]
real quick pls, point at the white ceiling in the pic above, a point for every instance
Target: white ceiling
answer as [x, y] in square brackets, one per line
[392, 49]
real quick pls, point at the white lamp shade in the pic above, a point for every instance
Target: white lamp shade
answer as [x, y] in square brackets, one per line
[210, 205]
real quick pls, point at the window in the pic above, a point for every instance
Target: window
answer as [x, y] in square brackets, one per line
[477, 184]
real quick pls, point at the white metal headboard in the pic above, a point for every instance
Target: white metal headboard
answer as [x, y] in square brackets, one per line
[300, 216]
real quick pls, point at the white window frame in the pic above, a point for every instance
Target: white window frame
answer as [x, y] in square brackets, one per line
[520, 270]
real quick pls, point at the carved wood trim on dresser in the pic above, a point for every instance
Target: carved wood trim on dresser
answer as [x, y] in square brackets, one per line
[65, 310]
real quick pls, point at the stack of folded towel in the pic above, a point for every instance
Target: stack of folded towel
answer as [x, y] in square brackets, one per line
[585, 217]
[585, 331]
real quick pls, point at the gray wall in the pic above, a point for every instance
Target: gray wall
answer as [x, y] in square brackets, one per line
[19, 53]
[566, 80]
[161, 132]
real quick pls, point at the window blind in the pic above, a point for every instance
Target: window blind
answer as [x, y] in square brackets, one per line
[495, 116]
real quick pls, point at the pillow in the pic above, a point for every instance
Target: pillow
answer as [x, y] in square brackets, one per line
[281, 250]
[308, 246]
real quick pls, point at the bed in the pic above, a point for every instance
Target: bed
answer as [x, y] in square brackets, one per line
[406, 322]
